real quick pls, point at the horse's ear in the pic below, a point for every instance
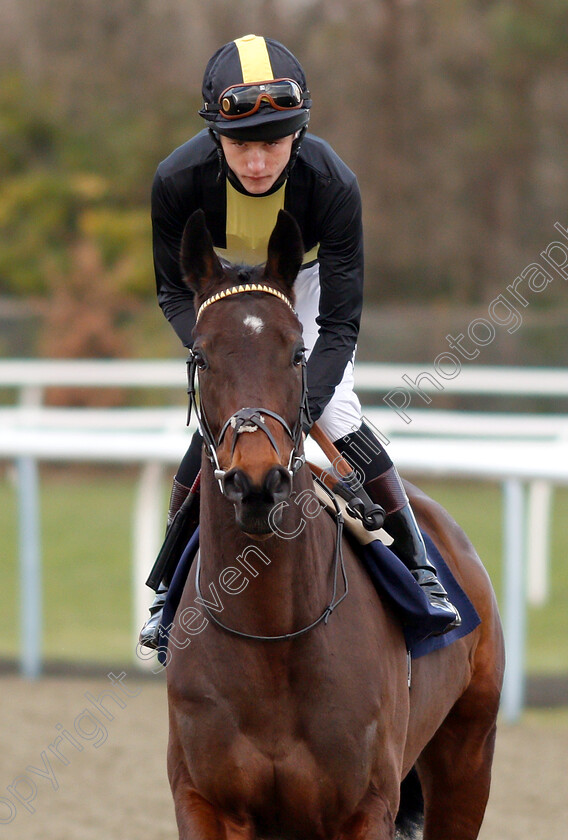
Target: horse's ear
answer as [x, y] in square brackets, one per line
[285, 251]
[199, 262]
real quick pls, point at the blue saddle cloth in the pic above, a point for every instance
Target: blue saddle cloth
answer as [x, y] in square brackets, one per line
[419, 619]
[391, 578]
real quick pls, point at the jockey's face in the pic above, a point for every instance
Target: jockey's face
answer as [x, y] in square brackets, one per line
[257, 164]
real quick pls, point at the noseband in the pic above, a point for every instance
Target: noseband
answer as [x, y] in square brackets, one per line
[247, 419]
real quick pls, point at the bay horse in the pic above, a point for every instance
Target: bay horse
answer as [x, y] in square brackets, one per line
[289, 705]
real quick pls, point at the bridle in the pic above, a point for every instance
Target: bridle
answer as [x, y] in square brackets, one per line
[247, 419]
[252, 419]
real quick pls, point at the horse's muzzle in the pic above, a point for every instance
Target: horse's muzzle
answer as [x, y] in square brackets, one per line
[253, 504]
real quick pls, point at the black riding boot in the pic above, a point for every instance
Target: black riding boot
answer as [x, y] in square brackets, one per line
[149, 635]
[408, 544]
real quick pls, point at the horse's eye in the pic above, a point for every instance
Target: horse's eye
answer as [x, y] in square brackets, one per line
[200, 360]
[299, 356]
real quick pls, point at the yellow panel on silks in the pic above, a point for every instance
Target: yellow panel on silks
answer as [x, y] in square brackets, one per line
[250, 221]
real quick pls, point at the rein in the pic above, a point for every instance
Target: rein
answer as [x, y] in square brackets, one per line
[338, 562]
[251, 419]
[247, 419]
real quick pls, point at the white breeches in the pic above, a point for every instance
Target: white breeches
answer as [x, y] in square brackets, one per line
[342, 414]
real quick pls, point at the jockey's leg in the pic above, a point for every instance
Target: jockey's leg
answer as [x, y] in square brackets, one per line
[384, 486]
[173, 547]
[341, 420]
[362, 448]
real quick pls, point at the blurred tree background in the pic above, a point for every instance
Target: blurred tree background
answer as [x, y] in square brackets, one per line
[453, 114]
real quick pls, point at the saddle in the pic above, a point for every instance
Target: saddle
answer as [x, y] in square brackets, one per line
[348, 503]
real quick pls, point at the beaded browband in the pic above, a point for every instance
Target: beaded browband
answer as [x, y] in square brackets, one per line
[236, 290]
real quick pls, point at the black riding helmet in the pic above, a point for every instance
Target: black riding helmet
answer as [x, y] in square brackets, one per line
[255, 89]
[267, 70]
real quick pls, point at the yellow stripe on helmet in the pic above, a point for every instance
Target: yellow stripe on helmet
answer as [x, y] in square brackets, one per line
[254, 58]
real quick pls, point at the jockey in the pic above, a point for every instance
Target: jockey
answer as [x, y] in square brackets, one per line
[254, 158]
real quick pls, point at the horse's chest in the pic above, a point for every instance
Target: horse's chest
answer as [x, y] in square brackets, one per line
[297, 757]
[291, 732]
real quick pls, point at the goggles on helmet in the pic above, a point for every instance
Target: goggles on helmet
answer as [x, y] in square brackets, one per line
[239, 101]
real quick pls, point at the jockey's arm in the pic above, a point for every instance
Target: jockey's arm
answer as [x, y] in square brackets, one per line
[340, 259]
[174, 297]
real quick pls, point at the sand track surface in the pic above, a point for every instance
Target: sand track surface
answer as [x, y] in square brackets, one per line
[82, 759]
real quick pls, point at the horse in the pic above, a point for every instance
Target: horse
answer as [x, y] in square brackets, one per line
[290, 711]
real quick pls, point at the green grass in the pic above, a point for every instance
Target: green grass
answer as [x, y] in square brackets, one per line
[478, 509]
[87, 532]
[556, 719]
[86, 523]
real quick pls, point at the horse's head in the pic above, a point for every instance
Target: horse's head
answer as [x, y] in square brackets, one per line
[248, 351]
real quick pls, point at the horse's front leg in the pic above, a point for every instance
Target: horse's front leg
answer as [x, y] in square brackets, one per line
[198, 819]
[374, 819]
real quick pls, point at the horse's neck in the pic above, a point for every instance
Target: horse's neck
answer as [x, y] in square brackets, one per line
[275, 583]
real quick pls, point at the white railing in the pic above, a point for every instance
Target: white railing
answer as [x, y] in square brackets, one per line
[515, 450]
[404, 387]
[135, 373]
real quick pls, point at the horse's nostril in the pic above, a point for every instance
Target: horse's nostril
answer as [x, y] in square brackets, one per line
[236, 485]
[278, 484]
